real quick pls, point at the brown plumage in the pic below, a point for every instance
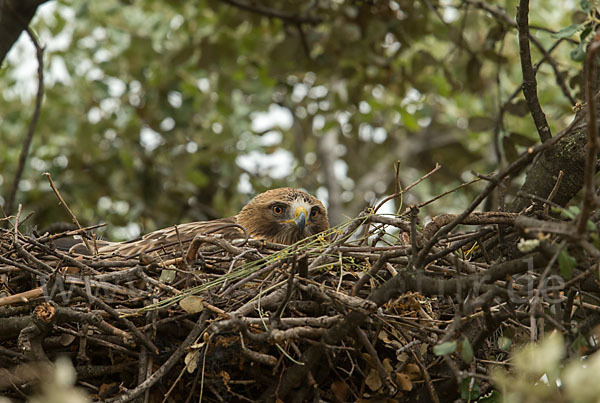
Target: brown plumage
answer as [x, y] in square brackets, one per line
[283, 215]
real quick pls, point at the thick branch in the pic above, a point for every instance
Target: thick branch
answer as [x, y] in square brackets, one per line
[15, 16]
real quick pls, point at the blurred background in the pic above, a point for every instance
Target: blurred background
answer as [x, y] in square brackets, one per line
[162, 112]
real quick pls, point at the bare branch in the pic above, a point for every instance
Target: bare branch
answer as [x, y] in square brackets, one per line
[529, 80]
[589, 198]
[32, 124]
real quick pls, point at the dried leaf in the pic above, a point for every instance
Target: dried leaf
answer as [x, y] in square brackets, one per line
[66, 339]
[167, 276]
[373, 381]
[340, 390]
[413, 371]
[368, 359]
[387, 365]
[404, 381]
[383, 336]
[191, 361]
[192, 304]
[107, 389]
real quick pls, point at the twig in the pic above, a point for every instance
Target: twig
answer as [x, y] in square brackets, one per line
[504, 18]
[529, 80]
[379, 264]
[414, 216]
[406, 189]
[513, 168]
[589, 200]
[66, 206]
[448, 192]
[32, 124]
[398, 192]
[127, 323]
[166, 367]
[63, 256]
[553, 192]
[69, 233]
[289, 289]
[16, 228]
[268, 12]
[353, 226]
[426, 377]
[23, 267]
[383, 375]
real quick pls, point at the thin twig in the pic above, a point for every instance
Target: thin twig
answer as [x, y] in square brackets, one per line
[166, 367]
[66, 206]
[553, 191]
[512, 169]
[406, 189]
[32, 124]
[271, 13]
[589, 200]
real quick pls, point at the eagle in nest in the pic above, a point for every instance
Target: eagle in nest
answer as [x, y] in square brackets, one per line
[283, 216]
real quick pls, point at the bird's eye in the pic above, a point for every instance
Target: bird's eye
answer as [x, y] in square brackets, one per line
[277, 210]
[314, 212]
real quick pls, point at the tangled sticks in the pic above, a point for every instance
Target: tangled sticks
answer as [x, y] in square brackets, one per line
[360, 314]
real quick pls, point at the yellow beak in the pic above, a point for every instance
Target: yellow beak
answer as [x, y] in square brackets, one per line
[300, 219]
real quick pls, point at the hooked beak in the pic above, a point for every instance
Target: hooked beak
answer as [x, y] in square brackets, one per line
[300, 219]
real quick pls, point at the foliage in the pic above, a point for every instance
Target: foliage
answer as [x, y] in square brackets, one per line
[152, 108]
[161, 112]
[542, 375]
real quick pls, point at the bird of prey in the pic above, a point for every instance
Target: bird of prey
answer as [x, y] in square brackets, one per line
[283, 215]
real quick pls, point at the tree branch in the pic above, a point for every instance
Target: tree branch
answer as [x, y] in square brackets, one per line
[529, 81]
[268, 12]
[15, 16]
[589, 197]
[36, 114]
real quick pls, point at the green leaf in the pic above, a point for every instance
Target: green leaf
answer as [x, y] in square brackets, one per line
[578, 54]
[445, 348]
[567, 31]
[504, 343]
[481, 123]
[585, 32]
[167, 276]
[518, 108]
[566, 263]
[585, 5]
[466, 351]
[467, 391]
[197, 178]
[569, 213]
[409, 120]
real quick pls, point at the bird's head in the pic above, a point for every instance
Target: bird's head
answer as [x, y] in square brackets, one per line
[283, 215]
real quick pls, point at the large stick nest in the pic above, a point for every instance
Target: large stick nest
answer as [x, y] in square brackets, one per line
[381, 307]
